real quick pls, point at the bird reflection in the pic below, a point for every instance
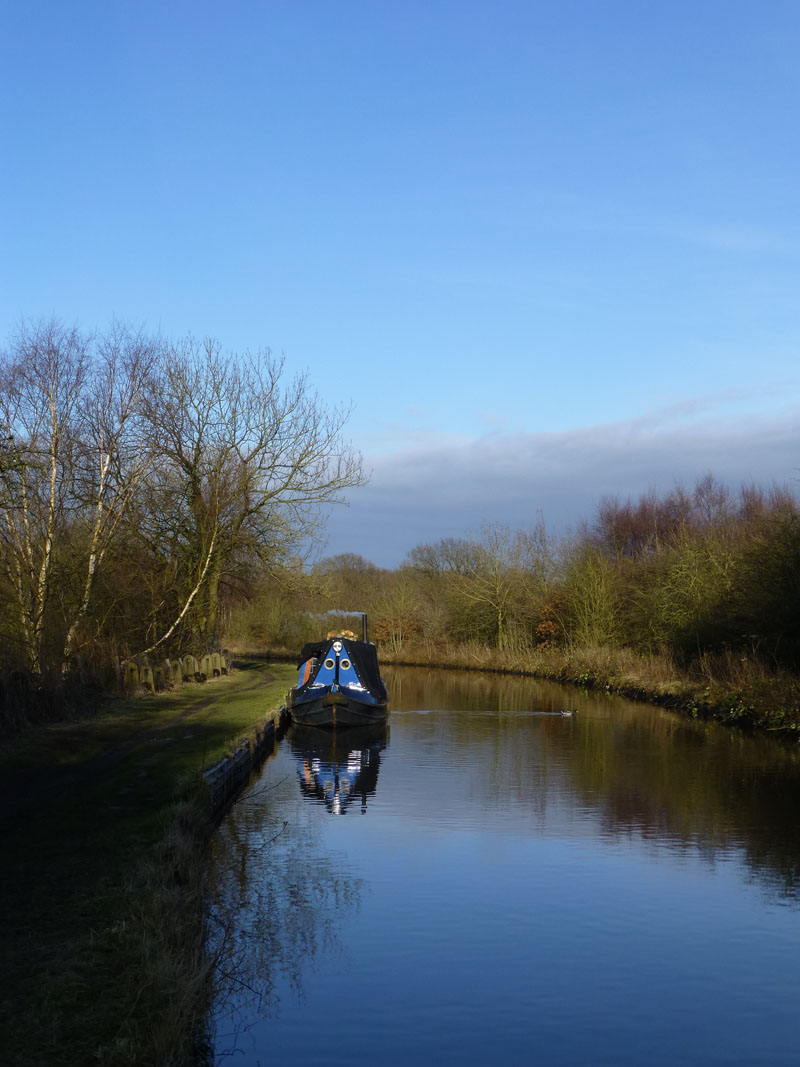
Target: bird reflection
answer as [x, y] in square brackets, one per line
[338, 768]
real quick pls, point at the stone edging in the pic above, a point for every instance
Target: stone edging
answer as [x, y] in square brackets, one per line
[226, 778]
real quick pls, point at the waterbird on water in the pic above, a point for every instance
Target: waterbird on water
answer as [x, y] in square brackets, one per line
[569, 711]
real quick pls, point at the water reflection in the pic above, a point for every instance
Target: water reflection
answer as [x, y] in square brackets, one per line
[638, 771]
[338, 769]
[275, 900]
[586, 879]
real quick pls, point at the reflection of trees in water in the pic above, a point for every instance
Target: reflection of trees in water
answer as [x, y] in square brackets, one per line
[704, 787]
[646, 771]
[458, 690]
[273, 910]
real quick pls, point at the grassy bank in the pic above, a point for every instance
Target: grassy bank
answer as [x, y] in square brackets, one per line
[105, 823]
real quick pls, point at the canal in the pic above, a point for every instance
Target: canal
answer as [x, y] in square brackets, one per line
[489, 880]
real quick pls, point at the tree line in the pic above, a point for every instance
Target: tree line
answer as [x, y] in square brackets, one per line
[156, 497]
[141, 477]
[687, 574]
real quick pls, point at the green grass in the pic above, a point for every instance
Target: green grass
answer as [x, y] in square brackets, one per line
[105, 822]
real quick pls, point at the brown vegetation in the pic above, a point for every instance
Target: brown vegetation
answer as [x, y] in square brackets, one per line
[691, 598]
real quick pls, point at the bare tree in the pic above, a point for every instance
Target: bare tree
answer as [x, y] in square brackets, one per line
[114, 451]
[176, 464]
[75, 449]
[245, 462]
[397, 611]
[42, 377]
[496, 574]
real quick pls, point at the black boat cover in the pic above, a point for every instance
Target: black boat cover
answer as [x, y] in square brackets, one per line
[363, 655]
[311, 650]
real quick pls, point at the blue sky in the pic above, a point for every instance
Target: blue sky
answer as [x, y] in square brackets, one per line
[548, 250]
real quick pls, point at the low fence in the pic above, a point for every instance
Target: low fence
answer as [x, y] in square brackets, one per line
[170, 673]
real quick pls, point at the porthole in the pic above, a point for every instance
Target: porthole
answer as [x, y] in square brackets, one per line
[345, 664]
[330, 664]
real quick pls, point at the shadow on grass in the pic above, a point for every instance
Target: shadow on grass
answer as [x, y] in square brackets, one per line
[91, 893]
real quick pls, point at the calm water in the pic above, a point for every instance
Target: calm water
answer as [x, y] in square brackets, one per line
[488, 881]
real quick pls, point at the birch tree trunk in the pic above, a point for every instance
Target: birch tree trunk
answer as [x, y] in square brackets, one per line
[117, 447]
[41, 380]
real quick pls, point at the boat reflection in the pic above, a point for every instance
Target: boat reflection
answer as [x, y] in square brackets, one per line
[338, 768]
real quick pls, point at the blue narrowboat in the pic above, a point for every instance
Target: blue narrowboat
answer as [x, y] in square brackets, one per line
[339, 684]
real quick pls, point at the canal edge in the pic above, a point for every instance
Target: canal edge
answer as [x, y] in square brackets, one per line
[225, 780]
